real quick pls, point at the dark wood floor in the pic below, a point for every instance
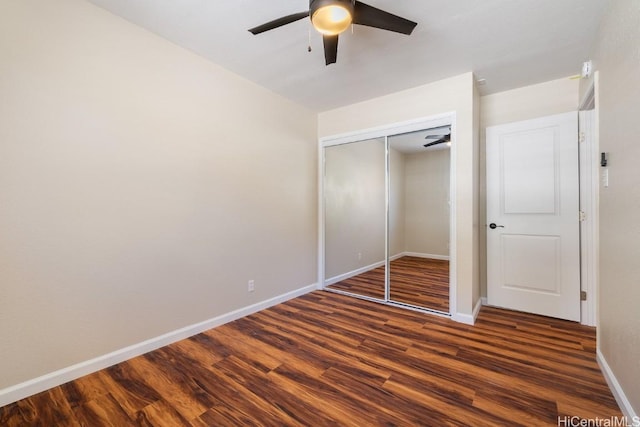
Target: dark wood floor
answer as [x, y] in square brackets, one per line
[327, 359]
[422, 282]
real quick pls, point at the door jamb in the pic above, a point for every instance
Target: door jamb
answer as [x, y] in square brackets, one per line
[589, 196]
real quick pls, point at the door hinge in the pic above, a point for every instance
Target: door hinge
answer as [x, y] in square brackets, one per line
[581, 137]
[582, 216]
[583, 295]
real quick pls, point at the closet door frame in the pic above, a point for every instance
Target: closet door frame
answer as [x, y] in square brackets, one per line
[385, 132]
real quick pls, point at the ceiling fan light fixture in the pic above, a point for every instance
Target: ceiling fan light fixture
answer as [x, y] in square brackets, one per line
[331, 17]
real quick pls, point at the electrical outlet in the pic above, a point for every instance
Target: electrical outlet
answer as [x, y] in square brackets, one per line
[359, 256]
[251, 286]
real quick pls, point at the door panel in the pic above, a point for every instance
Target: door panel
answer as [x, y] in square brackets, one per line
[531, 262]
[532, 200]
[529, 172]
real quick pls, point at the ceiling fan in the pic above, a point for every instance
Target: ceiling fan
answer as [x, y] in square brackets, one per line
[442, 136]
[332, 17]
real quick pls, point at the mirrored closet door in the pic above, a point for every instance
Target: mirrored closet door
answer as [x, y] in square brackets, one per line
[355, 218]
[419, 219]
[387, 219]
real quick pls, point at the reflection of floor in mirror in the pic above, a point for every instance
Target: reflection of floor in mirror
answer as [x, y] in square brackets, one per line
[417, 281]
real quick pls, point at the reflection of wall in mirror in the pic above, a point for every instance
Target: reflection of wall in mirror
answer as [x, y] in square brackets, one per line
[427, 204]
[397, 237]
[354, 190]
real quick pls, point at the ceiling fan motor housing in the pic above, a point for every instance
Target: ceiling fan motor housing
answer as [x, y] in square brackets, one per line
[333, 16]
[317, 4]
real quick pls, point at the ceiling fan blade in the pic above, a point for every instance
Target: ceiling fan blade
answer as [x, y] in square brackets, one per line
[434, 136]
[330, 49]
[440, 141]
[373, 17]
[279, 22]
[445, 138]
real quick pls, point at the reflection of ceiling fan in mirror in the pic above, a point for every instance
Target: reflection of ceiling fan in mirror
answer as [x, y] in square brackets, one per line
[441, 135]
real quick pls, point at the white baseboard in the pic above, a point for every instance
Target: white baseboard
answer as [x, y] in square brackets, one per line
[616, 389]
[352, 273]
[28, 388]
[476, 309]
[468, 319]
[396, 256]
[430, 256]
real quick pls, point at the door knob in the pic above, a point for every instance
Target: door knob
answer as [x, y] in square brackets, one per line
[493, 226]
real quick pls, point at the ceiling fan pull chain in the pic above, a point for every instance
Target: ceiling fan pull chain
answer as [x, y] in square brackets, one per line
[352, 26]
[309, 48]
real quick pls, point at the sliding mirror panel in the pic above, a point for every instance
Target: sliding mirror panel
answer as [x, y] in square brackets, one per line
[355, 218]
[419, 213]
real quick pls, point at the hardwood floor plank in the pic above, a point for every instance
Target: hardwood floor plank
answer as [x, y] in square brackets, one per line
[262, 401]
[340, 410]
[527, 408]
[102, 411]
[187, 405]
[11, 416]
[47, 409]
[200, 352]
[83, 390]
[438, 411]
[325, 359]
[332, 351]
[160, 414]
[128, 388]
[263, 361]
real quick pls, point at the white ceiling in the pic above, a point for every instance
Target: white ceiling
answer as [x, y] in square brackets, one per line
[510, 43]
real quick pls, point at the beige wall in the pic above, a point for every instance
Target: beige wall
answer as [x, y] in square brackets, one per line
[140, 188]
[544, 99]
[617, 59]
[426, 198]
[451, 95]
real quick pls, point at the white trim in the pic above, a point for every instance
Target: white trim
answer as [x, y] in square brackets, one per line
[36, 385]
[476, 309]
[483, 301]
[469, 319]
[321, 242]
[397, 256]
[616, 389]
[589, 193]
[387, 215]
[453, 222]
[389, 129]
[430, 256]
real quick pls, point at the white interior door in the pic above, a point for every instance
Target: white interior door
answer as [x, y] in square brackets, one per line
[533, 246]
